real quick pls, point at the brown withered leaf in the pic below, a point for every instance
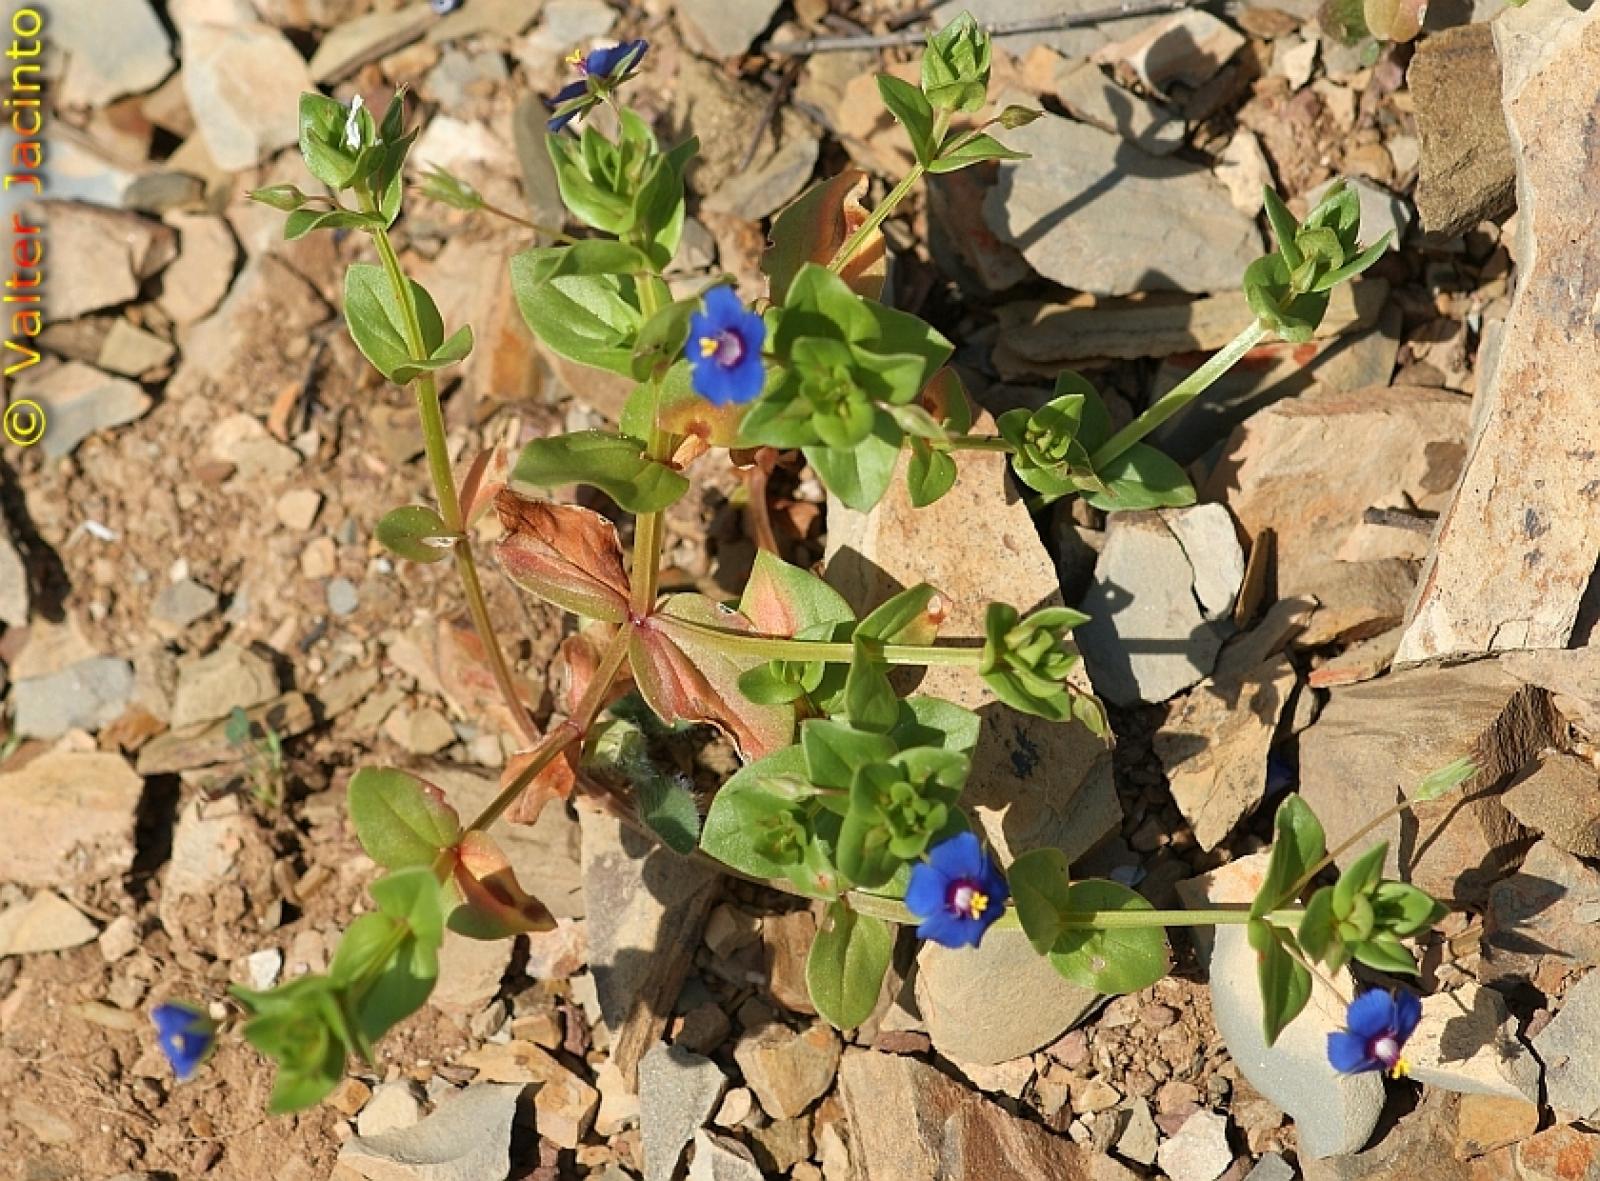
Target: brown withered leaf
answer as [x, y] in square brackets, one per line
[813, 226]
[493, 903]
[467, 679]
[578, 661]
[555, 781]
[686, 679]
[566, 555]
[485, 480]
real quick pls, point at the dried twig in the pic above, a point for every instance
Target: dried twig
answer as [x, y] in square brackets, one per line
[1042, 24]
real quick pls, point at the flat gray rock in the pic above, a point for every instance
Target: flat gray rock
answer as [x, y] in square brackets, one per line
[1467, 1041]
[467, 1139]
[83, 696]
[955, 991]
[244, 84]
[1094, 213]
[1566, 1046]
[721, 30]
[1092, 97]
[1199, 1152]
[678, 1091]
[720, 1158]
[1148, 637]
[184, 602]
[110, 49]
[79, 400]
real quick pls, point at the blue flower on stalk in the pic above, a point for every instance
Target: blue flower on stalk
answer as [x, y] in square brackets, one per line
[1376, 1028]
[186, 1036]
[601, 71]
[957, 892]
[724, 350]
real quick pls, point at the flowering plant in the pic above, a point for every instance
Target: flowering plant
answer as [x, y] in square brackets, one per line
[850, 793]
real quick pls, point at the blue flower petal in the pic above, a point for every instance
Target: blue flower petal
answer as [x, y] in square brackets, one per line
[1407, 1012]
[960, 857]
[602, 62]
[1372, 1014]
[950, 929]
[925, 895]
[185, 1035]
[716, 377]
[1347, 1052]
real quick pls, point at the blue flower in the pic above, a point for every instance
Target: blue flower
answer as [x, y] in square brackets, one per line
[600, 72]
[1376, 1028]
[186, 1036]
[957, 892]
[724, 349]
[445, 7]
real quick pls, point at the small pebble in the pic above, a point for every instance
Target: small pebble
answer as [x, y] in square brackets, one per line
[343, 597]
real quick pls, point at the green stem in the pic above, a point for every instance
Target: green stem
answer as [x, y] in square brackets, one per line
[565, 733]
[436, 446]
[875, 219]
[784, 648]
[895, 911]
[1181, 394]
[972, 443]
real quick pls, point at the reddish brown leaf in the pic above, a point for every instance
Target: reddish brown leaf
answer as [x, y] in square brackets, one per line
[566, 555]
[493, 904]
[554, 781]
[467, 679]
[577, 663]
[813, 226]
[686, 679]
[485, 480]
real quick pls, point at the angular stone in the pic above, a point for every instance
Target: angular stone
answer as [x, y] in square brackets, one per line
[955, 989]
[1067, 212]
[1031, 780]
[678, 1091]
[1466, 173]
[79, 810]
[1543, 914]
[1214, 747]
[769, 184]
[83, 696]
[288, 715]
[1188, 47]
[1243, 169]
[1381, 211]
[79, 401]
[212, 686]
[244, 84]
[1487, 1122]
[1566, 1047]
[132, 352]
[45, 922]
[1467, 1042]
[182, 603]
[788, 1071]
[564, 1110]
[1277, 468]
[393, 1107]
[1421, 1145]
[721, 1158]
[111, 51]
[1147, 637]
[1559, 798]
[1573, 675]
[1092, 97]
[467, 1139]
[1384, 736]
[14, 596]
[1515, 550]
[354, 43]
[645, 906]
[470, 975]
[1334, 1113]
[244, 344]
[786, 941]
[723, 31]
[908, 1122]
[1199, 1152]
[195, 282]
[1562, 1153]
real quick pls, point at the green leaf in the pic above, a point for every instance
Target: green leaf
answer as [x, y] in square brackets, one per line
[388, 962]
[587, 318]
[662, 337]
[1285, 229]
[763, 801]
[302, 1026]
[910, 106]
[415, 533]
[1404, 910]
[870, 701]
[910, 617]
[955, 66]
[667, 805]
[322, 127]
[1317, 936]
[1360, 879]
[1285, 984]
[1014, 117]
[860, 475]
[1117, 961]
[377, 324]
[399, 820]
[1445, 780]
[1267, 290]
[305, 221]
[1141, 478]
[615, 464]
[1298, 844]
[929, 474]
[974, 150]
[834, 752]
[285, 198]
[848, 961]
[1041, 891]
[1384, 953]
[784, 600]
[933, 721]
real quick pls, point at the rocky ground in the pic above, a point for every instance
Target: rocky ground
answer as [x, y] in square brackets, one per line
[1380, 509]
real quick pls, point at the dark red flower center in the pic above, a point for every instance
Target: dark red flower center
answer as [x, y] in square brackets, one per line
[966, 898]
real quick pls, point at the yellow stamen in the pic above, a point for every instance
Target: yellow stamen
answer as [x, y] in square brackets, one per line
[574, 57]
[709, 345]
[978, 903]
[1401, 1069]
